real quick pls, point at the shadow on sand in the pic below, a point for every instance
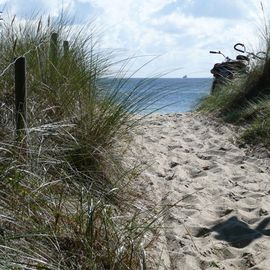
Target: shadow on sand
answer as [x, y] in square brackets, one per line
[236, 232]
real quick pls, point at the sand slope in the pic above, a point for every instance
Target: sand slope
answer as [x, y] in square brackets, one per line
[222, 218]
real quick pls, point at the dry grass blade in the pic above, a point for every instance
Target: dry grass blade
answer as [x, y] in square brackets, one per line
[64, 191]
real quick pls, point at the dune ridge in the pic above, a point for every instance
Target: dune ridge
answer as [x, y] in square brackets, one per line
[221, 220]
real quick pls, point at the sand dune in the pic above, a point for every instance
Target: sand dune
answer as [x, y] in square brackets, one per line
[221, 220]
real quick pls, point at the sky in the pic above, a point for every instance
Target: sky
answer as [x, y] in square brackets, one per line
[173, 36]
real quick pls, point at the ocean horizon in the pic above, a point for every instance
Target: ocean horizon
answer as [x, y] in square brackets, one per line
[178, 95]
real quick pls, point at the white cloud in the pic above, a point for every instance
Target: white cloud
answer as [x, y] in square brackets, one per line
[177, 30]
[182, 39]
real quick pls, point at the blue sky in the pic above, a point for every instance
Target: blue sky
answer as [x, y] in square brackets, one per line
[179, 32]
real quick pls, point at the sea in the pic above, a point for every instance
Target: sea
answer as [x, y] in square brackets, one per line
[173, 95]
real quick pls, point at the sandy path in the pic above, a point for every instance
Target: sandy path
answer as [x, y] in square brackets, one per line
[223, 222]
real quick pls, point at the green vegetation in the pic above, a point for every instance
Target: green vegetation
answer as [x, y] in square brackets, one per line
[65, 198]
[245, 101]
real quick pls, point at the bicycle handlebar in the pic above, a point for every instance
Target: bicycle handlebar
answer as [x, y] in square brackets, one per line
[258, 55]
[238, 49]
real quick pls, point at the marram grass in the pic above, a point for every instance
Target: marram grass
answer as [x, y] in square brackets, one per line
[65, 200]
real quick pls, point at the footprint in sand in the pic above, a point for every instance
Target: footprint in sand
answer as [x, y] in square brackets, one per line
[233, 196]
[172, 147]
[229, 214]
[196, 172]
[204, 156]
[188, 140]
[173, 164]
[223, 212]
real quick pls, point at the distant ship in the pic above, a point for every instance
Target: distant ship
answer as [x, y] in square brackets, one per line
[184, 77]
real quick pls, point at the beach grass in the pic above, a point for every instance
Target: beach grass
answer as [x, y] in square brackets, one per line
[66, 198]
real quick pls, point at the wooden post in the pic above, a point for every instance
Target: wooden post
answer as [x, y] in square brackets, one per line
[20, 96]
[66, 48]
[53, 53]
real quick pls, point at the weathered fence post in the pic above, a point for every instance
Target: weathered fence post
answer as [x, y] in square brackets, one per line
[20, 96]
[53, 53]
[66, 48]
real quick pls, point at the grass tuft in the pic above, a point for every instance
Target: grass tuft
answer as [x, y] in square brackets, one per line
[65, 198]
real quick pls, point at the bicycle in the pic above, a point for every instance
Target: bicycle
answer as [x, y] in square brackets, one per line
[230, 69]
